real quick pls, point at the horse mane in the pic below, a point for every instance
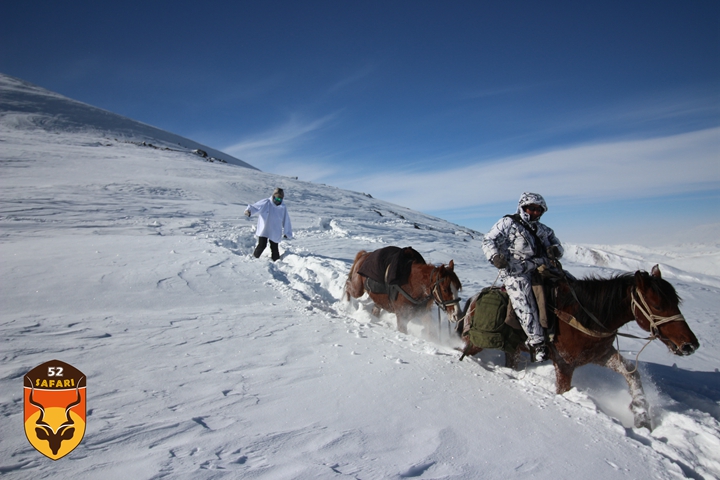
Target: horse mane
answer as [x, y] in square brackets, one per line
[606, 297]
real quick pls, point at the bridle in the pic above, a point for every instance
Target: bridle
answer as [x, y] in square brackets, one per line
[434, 294]
[654, 320]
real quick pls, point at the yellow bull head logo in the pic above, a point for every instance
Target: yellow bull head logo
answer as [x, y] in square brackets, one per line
[55, 408]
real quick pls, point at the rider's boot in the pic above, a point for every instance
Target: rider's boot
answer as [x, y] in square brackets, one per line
[539, 352]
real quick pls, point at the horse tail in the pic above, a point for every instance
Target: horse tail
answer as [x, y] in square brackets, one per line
[361, 253]
[353, 272]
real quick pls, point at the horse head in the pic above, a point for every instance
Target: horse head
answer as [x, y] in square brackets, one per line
[446, 291]
[655, 305]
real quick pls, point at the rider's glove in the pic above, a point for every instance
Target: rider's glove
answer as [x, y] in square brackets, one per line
[499, 260]
[554, 252]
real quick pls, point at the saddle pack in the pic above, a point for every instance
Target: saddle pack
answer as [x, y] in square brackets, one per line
[494, 324]
[490, 325]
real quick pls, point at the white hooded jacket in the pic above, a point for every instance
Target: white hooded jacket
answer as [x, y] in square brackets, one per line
[273, 220]
[516, 243]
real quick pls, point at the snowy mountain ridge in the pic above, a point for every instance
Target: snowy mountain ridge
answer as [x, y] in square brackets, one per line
[24, 105]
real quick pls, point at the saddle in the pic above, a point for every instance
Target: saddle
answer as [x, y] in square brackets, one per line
[387, 268]
[544, 287]
[373, 286]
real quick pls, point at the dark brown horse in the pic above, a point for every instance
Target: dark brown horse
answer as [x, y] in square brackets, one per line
[590, 312]
[426, 284]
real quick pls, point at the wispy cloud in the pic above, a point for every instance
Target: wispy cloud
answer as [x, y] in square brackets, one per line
[504, 90]
[651, 115]
[353, 78]
[276, 143]
[629, 169]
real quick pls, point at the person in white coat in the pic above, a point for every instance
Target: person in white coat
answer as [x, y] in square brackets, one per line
[517, 245]
[273, 223]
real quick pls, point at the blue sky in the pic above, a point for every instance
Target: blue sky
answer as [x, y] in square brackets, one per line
[610, 109]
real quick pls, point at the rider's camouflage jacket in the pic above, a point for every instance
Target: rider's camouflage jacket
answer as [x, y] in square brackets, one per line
[516, 243]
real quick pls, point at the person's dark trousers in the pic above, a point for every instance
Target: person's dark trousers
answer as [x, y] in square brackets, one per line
[262, 243]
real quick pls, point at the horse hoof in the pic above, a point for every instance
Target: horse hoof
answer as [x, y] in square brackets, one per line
[643, 421]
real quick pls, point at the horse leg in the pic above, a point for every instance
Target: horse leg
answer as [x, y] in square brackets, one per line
[512, 360]
[563, 374]
[639, 405]
[430, 327]
[470, 350]
[402, 323]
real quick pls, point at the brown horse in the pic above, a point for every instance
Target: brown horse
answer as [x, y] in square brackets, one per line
[426, 284]
[590, 312]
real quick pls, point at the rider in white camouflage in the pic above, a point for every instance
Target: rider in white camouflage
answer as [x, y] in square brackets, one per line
[517, 245]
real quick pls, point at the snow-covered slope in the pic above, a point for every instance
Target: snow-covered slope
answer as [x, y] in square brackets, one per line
[27, 106]
[133, 264]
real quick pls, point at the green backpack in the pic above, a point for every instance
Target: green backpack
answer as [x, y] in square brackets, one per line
[488, 329]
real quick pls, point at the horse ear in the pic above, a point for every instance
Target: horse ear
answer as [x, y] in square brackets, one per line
[451, 265]
[656, 272]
